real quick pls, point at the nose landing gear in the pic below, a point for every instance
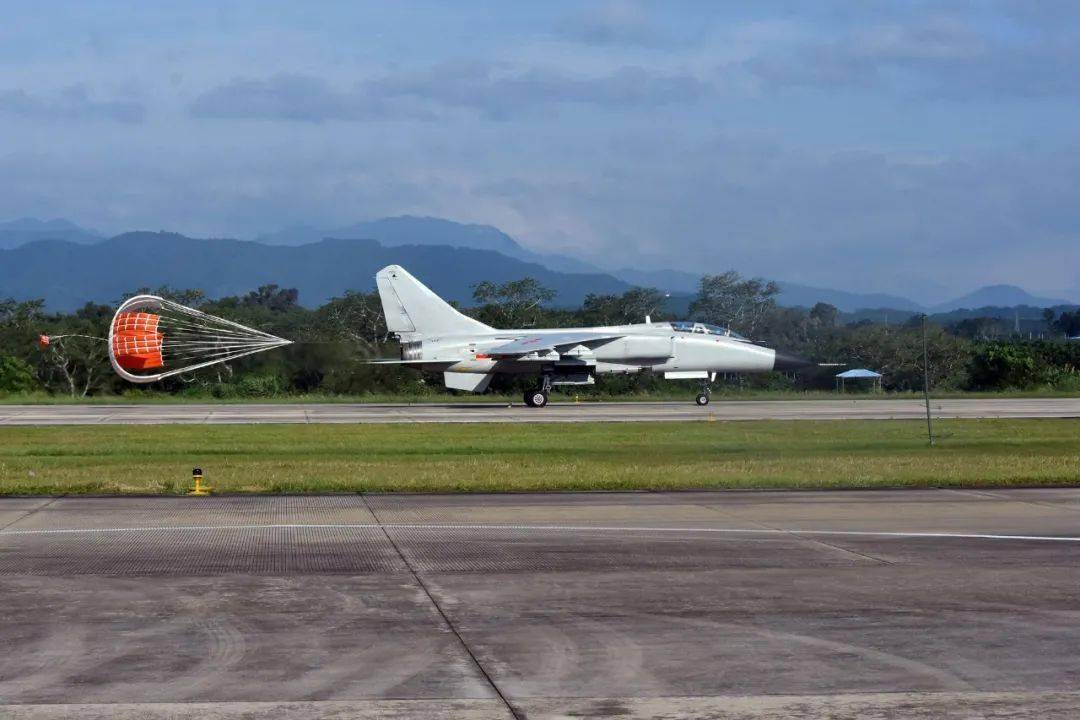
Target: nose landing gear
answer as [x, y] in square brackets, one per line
[706, 392]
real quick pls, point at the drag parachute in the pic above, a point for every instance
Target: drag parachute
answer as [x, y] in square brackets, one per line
[151, 338]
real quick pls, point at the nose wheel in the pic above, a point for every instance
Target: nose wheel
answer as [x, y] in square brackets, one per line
[706, 393]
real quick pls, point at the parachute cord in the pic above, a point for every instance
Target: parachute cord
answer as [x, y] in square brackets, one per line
[70, 335]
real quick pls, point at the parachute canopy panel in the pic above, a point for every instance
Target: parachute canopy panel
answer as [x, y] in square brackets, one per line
[153, 338]
[136, 343]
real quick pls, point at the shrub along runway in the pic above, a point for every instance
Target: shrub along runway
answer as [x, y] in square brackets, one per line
[557, 412]
[924, 603]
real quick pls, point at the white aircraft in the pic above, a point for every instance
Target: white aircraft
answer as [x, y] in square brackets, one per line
[436, 337]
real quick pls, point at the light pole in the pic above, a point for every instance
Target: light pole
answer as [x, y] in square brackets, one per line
[926, 382]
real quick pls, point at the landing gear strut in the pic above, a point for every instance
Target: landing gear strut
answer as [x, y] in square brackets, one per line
[706, 392]
[539, 397]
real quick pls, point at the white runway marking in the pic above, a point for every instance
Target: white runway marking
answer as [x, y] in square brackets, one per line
[483, 412]
[545, 528]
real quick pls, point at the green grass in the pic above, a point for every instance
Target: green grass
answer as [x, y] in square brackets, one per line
[497, 457]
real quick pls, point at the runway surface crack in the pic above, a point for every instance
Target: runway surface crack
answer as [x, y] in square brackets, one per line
[803, 537]
[1011, 498]
[32, 511]
[514, 713]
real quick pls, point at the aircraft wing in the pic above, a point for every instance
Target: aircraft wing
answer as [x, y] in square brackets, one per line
[539, 343]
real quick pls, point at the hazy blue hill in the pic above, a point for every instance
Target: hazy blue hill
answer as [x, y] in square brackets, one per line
[54, 259]
[67, 274]
[402, 230]
[414, 230]
[795, 295]
[1012, 312]
[673, 281]
[26, 230]
[294, 235]
[998, 296]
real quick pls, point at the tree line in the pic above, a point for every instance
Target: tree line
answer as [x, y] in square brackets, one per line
[334, 341]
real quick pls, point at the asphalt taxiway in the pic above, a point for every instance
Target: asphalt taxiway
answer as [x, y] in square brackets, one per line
[875, 604]
[557, 412]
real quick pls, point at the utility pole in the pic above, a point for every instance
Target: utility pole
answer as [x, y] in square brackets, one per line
[926, 382]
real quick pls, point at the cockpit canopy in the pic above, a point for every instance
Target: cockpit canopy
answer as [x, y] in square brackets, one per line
[685, 326]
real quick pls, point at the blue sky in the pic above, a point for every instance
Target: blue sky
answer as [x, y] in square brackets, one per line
[918, 148]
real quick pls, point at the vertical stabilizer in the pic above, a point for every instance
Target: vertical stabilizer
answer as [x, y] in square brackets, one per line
[411, 308]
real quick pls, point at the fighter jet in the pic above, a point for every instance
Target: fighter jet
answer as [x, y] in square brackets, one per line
[436, 337]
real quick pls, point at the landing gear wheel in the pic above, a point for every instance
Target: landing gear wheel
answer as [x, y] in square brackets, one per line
[536, 398]
[702, 399]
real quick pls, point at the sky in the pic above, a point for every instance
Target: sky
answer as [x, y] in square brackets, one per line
[918, 148]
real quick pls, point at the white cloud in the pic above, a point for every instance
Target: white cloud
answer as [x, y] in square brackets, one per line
[73, 103]
[488, 89]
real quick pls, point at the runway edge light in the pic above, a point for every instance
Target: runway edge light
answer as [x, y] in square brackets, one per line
[199, 489]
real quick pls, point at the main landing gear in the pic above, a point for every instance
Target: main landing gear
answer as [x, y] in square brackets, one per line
[706, 392]
[538, 398]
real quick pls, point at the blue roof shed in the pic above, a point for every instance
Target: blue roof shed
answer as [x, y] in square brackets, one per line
[858, 374]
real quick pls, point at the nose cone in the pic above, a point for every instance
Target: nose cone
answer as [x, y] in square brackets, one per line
[786, 362]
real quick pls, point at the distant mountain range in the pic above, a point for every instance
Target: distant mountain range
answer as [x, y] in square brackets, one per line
[413, 230]
[67, 274]
[27, 230]
[998, 296]
[68, 265]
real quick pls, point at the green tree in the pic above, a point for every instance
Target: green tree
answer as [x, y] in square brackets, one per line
[21, 321]
[897, 354]
[1023, 364]
[189, 297]
[630, 307]
[824, 314]
[980, 328]
[356, 319]
[1068, 323]
[78, 364]
[513, 304]
[729, 300]
[16, 375]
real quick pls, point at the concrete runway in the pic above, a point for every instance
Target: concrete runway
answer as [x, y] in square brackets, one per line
[879, 604]
[557, 412]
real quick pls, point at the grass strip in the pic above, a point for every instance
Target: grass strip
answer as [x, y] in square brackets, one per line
[537, 457]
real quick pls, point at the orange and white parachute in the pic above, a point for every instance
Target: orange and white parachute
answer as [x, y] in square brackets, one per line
[151, 338]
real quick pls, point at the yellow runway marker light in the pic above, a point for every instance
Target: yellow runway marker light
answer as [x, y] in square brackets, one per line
[199, 489]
